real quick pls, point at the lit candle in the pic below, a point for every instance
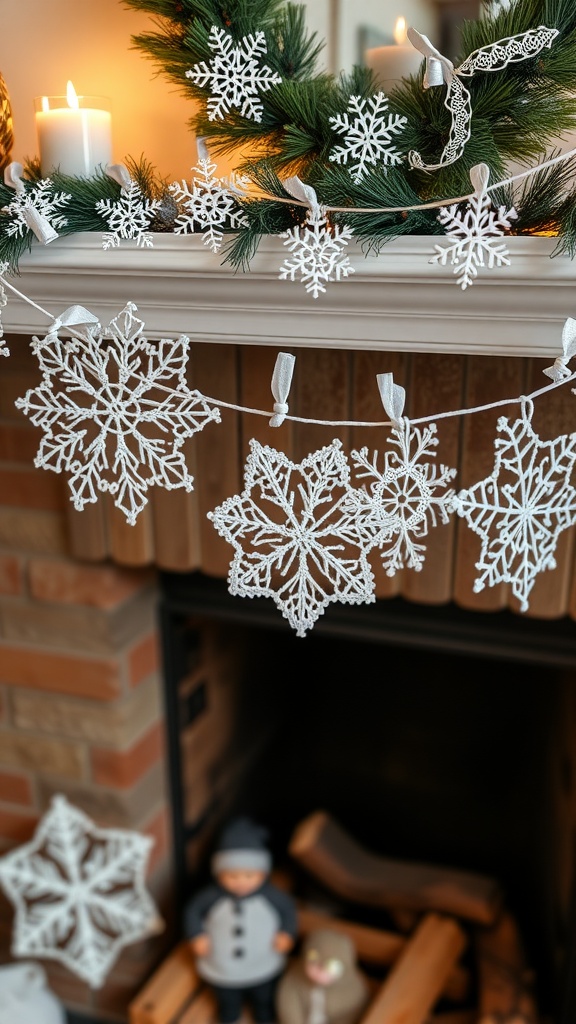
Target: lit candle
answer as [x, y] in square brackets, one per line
[74, 133]
[391, 63]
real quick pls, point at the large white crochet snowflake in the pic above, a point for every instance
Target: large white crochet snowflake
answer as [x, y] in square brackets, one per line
[368, 129]
[115, 410]
[234, 75]
[128, 216]
[404, 498]
[294, 539]
[41, 198]
[79, 892]
[209, 204]
[473, 233]
[522, 507]
[318, 253]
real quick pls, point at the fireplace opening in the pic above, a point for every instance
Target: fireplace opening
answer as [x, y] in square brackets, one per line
[432, 735]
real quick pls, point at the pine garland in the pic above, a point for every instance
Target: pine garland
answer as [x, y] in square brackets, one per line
[518, 114]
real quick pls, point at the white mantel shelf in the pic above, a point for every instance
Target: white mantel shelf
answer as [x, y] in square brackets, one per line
[396, 301]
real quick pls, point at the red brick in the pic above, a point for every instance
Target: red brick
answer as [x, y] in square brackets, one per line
[121, 769]
[37, 669]
[16, 826]
[144, 659]
[15, 788]
[18, 443]
[10, 576]
[103, 587]
[159, 828]
[31, 488]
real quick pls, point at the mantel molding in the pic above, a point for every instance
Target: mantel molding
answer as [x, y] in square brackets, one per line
[396, 301]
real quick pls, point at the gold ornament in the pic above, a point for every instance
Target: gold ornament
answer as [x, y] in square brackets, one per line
[6, 125]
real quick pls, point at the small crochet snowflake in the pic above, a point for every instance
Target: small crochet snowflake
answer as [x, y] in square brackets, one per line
[235, 75]
[473, 233]
[294, 539]
[115, 410]
[318, 256]
[4, 350]
[520, 510]
[79, 892]
[128, 217]
[405, 498]
[41, 198]
[210, 204]
[368, 128]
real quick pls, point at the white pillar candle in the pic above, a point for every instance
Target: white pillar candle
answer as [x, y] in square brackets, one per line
[74, 133]
[392, 63]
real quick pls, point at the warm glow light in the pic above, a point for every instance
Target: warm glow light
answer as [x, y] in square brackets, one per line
[71, 96]
[45, 104]
[400, 31]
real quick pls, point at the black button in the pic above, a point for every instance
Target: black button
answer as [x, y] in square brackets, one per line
[238, 952]
[238, 930]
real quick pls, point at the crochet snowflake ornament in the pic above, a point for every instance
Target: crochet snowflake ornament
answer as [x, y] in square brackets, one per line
[4, 350]
[128, 216]
[520, 510]
[368, 129]
[317, 253]
[474, 233]
[40, 199]
[115, 410]
[234, 75]
[209, 204]
[295, 540]
[404, 498]
[79, 892]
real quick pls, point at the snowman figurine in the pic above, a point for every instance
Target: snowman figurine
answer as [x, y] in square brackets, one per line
[26, 998]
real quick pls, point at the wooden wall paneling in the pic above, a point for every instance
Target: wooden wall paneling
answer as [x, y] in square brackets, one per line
[218, 476]
[436, 385]
[322, 392]
[176, 521]
[488, 379]
[554, 414]
[130, 545]
[367, 405]
[88, 531]
[256, 368]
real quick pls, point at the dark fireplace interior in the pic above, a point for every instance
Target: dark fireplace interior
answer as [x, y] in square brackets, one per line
[431, 734]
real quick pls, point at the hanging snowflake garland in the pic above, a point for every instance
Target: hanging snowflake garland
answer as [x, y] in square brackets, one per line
[115, 410]
[234, 75]
[368, 129]
[474, 233]
[317, 249]
[4, 350]
[404, 499]
[79, 892]
[128, 217]
[520, 510]
[295, 540]
[209, 204]
[41, 199]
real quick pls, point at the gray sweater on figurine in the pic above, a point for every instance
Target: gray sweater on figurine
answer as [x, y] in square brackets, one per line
[241, 928]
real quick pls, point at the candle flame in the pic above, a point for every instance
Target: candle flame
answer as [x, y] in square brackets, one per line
[45, 104]
[71, 96]
[400, 31]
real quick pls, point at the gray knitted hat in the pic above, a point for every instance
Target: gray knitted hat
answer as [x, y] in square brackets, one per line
[242, 847]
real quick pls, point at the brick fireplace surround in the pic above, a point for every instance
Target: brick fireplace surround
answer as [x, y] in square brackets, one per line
[81, 699]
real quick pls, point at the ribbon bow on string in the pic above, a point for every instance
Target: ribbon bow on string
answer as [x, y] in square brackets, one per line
[559, 371]
[393, 397]
[281, 382]
[305, 194]
[74, 316]
[120, 174]
[33, 218]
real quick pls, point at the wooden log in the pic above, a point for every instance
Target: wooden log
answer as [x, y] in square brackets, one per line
[454, 1017]
[168, 990]
[329, 853]
[202, 1009]
[504, 980]
[419, 976]
[376, 946]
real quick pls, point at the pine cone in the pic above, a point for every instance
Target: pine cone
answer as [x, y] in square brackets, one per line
[165, 216]
[6, 132]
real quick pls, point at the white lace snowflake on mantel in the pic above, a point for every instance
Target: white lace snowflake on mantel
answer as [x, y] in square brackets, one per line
[294, 539]
[209, 204]
[128, 216]
[368, 129]
[404, 498]
[115, 410]
[473, 233]
[520, 510]
[318, 253]
[79, 892]
[41, 198]
[234, 75]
